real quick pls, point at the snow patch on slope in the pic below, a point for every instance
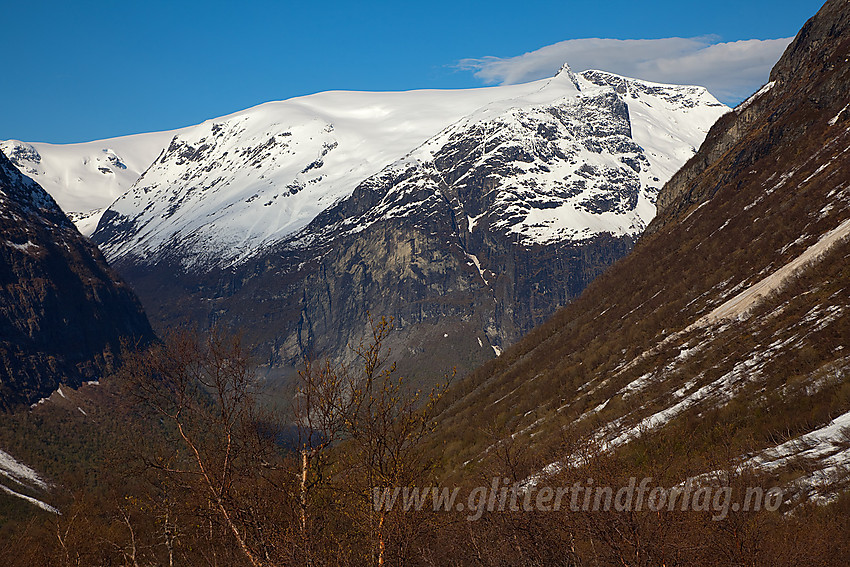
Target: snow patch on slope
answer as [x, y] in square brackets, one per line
[767, 87]
[834, 120]
[743, 302]
[19, 472]
[828, 444]
[25, 478]
[30, 499]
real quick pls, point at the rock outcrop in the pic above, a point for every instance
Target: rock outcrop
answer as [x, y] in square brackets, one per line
[63, 311]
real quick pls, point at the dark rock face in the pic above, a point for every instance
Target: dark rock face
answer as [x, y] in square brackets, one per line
[63, 311]
[811, 79]
[438, 244]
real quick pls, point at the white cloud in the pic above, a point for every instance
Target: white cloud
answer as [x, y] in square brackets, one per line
[731, 71]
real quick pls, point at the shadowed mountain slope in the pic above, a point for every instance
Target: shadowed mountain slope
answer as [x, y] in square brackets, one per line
[63, 311]
[732, 311]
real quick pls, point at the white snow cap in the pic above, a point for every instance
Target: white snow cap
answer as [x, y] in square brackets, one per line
[224, 189]
[564, 70]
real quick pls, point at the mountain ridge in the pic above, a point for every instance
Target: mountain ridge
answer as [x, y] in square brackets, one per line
[244, 227]
[517, 199]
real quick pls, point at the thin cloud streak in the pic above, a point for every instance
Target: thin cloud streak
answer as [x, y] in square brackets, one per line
[731, 71]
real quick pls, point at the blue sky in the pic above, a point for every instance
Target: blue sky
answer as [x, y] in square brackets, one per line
[77, 71]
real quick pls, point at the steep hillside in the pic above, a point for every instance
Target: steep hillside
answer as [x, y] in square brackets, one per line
[469, 216]
[732, 315]
[63, 311]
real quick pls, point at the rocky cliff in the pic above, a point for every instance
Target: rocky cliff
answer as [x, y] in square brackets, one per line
[810, 79]
[277, 221]
[63, 311]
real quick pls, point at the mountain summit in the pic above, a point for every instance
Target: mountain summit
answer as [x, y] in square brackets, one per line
[468, 216]
[730, 316]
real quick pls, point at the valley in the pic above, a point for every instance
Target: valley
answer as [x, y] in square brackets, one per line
[583, 320]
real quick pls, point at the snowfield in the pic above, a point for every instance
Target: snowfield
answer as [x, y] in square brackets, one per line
[231, 186]
[86, 178]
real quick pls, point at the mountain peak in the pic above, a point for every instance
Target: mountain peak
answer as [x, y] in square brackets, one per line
[566, 73]
[565, 68]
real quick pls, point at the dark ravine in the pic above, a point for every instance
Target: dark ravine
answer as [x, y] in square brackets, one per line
[63, 311]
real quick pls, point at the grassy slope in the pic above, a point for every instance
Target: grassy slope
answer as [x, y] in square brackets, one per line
[778, 180]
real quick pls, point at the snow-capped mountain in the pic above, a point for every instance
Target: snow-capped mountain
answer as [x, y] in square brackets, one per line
[237, 183]
[232, 186]
[481, 211]
[727, 325]
[86, 178]
[547, 169]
